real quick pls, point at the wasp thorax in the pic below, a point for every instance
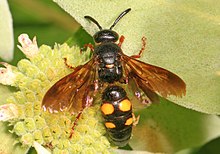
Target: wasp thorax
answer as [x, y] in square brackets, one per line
[105, 35]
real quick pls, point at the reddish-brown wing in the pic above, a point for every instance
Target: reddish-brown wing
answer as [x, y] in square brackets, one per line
[72, 92]
[139, 94]
[154, 78]
[143, 93]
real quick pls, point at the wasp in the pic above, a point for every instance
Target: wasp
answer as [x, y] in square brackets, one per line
[105, 74]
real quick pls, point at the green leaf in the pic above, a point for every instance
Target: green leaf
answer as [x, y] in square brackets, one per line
[182, 36]
[6, 32]
[167, 127]
[79, 38]
[211, 147]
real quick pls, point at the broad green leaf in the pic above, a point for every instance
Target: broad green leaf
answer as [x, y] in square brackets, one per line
[211, 147]
[6, 32]
[167, 127]
[182, 36]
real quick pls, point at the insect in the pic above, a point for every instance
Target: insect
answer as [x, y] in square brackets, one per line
[106, 73]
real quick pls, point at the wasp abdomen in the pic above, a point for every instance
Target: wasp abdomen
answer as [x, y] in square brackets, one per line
[117, 112]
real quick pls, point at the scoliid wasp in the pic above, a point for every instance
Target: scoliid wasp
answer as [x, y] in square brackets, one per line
[106, 73]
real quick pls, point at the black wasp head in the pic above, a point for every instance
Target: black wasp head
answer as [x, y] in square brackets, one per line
[106, 35]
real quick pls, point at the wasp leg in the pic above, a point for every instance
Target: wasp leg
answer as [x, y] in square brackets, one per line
[89, 101]
[121, 40]
[87, 46]
[75, 123]
[144, 40]
[49, 145]
[69, 66]
[135, 119]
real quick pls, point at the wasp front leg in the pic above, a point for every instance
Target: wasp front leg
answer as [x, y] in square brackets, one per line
[144, 42]
[121, 40]
[87, 46]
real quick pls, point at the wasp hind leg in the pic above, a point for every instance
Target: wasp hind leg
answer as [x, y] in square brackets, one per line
[135, 119]
[144, 42]
[89, 91]
[75, 123]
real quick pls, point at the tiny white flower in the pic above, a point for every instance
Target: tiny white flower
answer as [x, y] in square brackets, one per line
[40, 149]
[28, 47]
[8, 111]
[7, 77]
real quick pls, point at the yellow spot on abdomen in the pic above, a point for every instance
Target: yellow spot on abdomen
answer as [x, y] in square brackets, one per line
[109, 125]
[125, 105]
[129, 121]
[107, 108]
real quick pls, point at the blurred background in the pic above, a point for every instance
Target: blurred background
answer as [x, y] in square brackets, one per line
[43, 19]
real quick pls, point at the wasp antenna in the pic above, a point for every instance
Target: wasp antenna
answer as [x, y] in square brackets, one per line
[120, 16]
[94, 21]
